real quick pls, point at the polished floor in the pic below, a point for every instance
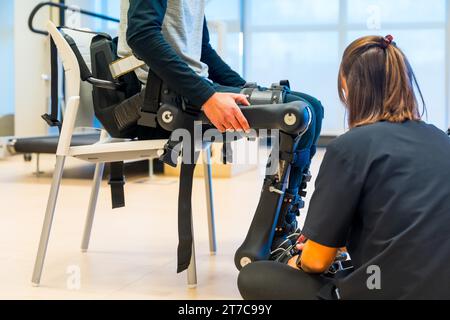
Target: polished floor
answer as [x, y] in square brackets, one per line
[133, 250]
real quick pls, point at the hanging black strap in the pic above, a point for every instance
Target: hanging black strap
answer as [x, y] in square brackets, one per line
[185, 217]
[286, 84]
[227, 149]
[117, 183]
[152, 101]
[227, 153]
[85, 72]
[52, 119]
[185, 233]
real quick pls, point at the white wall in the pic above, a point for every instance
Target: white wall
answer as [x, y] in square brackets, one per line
[31, 53]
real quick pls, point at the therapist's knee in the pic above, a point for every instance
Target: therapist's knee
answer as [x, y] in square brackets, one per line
[248, 281]
[251, 280]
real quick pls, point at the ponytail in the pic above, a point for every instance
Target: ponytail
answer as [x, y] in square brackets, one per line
[381, 83]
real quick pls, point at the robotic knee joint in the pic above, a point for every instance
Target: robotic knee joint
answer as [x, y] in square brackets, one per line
[275, 95]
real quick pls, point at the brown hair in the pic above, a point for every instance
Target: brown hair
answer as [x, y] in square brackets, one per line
[380, 83]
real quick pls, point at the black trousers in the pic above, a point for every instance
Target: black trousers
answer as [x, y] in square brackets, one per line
[276, 281]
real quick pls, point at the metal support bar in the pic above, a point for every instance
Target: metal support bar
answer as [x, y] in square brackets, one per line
[38, 171]
[210, 200]
[192, 270]
[63, 7]
[99, 170]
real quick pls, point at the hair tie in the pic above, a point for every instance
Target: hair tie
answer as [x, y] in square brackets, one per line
[387, 41]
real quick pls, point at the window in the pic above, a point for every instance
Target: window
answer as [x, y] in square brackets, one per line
[110, 8]
[293, 12]
[420, 31]
[398, 11]
[225, 30]
[299, 41]
[303, 41]
[307, 59]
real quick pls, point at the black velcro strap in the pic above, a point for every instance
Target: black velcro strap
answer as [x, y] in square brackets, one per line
[227, 153]
[85, 72]
[172, 152]
[117, 183]
[52, 119]
[151, 101]
[185, 205]
[185, 217]
[286, 84]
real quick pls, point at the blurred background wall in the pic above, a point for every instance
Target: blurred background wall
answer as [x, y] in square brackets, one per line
[300, 40]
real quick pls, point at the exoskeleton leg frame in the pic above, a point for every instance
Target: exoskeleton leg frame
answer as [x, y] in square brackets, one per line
[274, 226]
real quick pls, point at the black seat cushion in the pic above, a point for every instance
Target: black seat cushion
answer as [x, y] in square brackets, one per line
[48, 145]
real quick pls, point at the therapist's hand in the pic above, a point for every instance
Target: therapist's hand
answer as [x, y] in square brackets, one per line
[223, 112]
[293, 263]
[301, 242]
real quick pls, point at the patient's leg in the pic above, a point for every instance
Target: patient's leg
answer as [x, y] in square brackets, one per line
[318, 111]
[282, 197]
[274, 228]
[287, 231]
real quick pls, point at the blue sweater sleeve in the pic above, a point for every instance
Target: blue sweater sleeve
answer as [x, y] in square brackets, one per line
[219, 71]
[144, 36]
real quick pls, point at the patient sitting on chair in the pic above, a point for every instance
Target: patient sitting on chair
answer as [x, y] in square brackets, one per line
[172, 38]
[383, 192]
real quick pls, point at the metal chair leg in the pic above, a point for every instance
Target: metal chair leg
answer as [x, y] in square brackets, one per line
[192, 271]
[48, 221]
[99, 170]
[38, 173]
[210, 201]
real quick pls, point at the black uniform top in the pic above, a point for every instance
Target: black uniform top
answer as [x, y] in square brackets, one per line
[144, 36]
[384, 193]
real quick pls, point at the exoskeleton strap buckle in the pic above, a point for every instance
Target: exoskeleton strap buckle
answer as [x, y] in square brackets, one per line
[51, 122]
[172, 152]
[125, 65]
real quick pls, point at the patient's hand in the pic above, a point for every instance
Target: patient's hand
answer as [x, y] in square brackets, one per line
[223, 112]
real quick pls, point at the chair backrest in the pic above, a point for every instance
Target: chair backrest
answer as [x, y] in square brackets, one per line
[83, 39]
[73, 82]
[69, 61]
[116, 102]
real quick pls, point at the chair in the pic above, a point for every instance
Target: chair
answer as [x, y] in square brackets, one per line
[106, 150]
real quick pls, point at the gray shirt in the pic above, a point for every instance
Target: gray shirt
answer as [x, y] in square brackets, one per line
[182, 29]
